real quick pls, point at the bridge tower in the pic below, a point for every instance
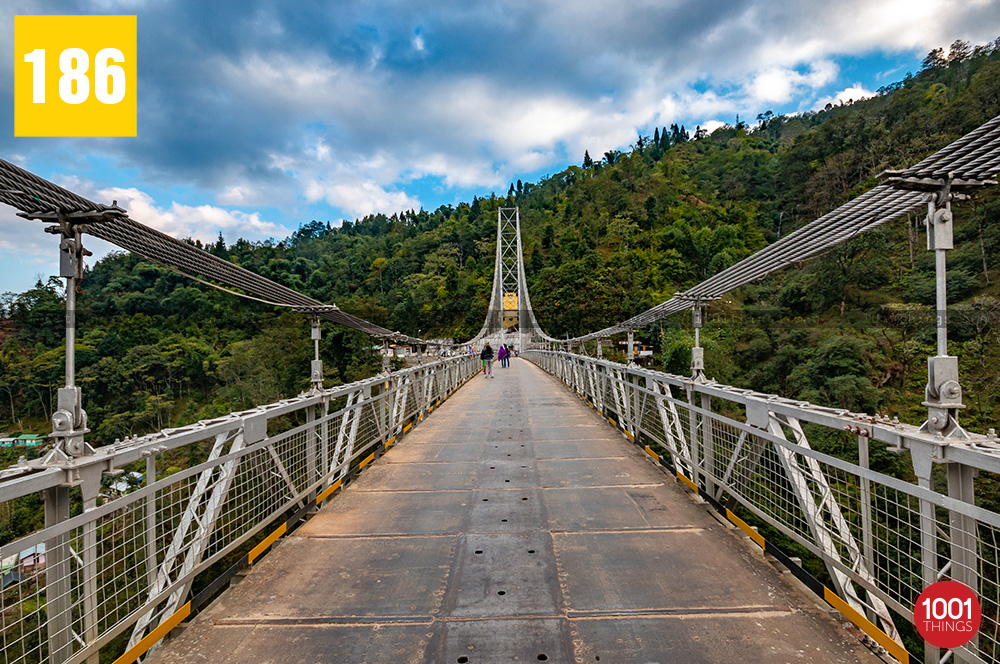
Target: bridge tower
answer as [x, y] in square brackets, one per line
[510, 318]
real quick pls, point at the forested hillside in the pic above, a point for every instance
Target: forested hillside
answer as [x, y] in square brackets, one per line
[603, 240]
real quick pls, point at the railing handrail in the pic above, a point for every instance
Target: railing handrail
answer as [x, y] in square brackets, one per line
[130, 563]
[34, 476]
[889, 536]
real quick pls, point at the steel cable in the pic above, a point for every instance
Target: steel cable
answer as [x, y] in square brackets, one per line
[975, 156]
[38, 198]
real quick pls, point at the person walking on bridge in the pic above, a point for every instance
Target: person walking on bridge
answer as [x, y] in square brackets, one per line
[502, 356]
[487, 357]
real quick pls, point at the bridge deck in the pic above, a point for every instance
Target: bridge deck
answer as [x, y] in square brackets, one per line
[513, 525]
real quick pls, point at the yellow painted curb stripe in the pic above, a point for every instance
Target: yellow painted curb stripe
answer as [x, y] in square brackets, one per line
[745, 527]
[371, 457]
[326, 492]
[407, 427]
[268, 541]
[139, 649]
[852, 614]
[651, 453]
[389, 442]
[613, 423]
[691, 485]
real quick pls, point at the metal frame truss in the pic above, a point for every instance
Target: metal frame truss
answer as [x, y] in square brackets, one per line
[881, 539]
[129, 564]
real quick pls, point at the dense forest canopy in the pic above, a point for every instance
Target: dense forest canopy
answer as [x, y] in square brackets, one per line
[602, 241]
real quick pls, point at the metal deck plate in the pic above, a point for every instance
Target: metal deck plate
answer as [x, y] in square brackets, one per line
[660, 570]
[343, 579]
[303, 644]
[505, 575]
[513, 525]
[506, 640]
[613, 508]
[392, 513]
[755, 637]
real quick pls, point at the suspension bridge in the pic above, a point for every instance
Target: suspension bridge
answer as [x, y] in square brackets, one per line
[574, 509]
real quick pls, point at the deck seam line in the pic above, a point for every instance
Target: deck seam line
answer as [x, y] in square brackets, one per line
[596, 531]
[359, 489]
[664, 612]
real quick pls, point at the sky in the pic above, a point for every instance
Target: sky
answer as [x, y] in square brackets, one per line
[255, 116]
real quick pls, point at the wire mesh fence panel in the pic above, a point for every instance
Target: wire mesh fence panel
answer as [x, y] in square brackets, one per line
[989, 591]
[881, 539]
[411, 407]
[129, 564]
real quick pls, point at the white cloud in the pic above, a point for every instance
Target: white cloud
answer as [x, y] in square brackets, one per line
[356, 184]
[362, 197]
[856, 92]
[25, 238]
[711, 125]
[27, 252]
[774, 85]
[353, 108]
[368, 126]
[781, 85]
[236, 195]
[200, 222]
[456, 171]
[353, 188]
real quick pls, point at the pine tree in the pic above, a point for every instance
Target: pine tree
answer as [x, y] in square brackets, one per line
[934, 60]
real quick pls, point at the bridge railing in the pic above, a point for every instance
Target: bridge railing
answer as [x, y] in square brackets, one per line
[116, 577]
[882, 539]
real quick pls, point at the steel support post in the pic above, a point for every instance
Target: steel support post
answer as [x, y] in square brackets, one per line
[944, 393]
[867, 535]
[591, 384]
[312, 473]
[923, 468]
[694, 425]
[69, 426]
[69, 422]
[316, 366]
[697, 353]
[630, 353]
[58, 600]
[90, 489]
[708, 446]
[400, 387]
[964, 543]
[386, 363]
[383, 413]
[635, 416]
[151, 522]
[600, 350]
[423, 391]
[324, 439]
